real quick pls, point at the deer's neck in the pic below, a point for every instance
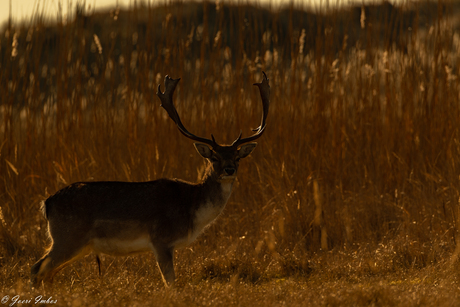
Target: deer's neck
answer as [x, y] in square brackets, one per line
[213, 196]
[219, 190]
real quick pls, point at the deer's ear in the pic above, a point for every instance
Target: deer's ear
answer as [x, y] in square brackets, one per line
[246, 149]
[203, 150]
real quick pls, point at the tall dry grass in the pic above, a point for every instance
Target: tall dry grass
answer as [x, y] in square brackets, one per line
[357, 174]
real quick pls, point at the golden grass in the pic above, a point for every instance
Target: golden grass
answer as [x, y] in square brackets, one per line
[351, 197]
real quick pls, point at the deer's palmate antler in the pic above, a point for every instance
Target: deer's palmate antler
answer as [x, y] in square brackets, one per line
[168, 105]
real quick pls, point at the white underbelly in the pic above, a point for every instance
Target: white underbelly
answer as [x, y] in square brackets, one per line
[120, 247]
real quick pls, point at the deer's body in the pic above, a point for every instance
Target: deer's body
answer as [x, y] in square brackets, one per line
[124, 218]
[126, 211]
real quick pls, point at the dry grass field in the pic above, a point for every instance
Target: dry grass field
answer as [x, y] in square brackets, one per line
[351, 198]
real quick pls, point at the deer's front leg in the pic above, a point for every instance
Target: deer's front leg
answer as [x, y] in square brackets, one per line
[164, 257]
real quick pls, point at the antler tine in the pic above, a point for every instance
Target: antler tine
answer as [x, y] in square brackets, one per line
[167, 104]
[264, 89]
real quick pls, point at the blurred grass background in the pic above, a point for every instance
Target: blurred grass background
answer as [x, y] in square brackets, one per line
[357, 173]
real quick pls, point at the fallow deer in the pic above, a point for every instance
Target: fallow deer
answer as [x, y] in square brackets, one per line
[124, 218]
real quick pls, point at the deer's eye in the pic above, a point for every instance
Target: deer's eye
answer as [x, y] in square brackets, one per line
[214, 159]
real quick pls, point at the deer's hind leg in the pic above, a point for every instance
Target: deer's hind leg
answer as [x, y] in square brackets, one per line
[63, 251]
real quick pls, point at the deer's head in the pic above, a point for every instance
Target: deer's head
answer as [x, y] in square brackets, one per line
[224, 159]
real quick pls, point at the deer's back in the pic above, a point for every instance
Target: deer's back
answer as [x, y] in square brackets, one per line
[123, 200]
